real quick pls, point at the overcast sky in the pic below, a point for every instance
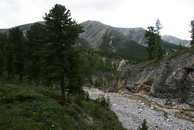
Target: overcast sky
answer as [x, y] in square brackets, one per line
[174, 15]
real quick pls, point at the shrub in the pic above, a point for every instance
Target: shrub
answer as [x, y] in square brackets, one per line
[143, 126]
[103, 101]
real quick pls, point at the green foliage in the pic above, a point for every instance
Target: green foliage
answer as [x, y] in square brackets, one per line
[143, 126]
[28, 107]
[91, 62]
[103, 101]
[16, 38]
[133, 59]
[62, 33]
[82, 42]
[169, 47]
[36, 36]
[9, 47]
[87, 96]
[192, 33]
[181, 47]
[112, 40]
[153, 37]
[3, 41]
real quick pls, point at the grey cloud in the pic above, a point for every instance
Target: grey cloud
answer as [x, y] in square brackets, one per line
[97, 4]
[8, 7]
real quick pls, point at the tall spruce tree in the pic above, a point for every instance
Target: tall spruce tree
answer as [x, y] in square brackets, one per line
[192, 33]
[3, 42]
[9, 67]
[153, 39]
[36, 39]
[62, 33]
[16, 38]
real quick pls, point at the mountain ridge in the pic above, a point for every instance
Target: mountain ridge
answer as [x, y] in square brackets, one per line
[102, 37]
[175, 40]
[96, 30]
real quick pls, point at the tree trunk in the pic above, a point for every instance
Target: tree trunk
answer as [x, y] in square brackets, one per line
[9, 76]
[62, 83]
[20, 78]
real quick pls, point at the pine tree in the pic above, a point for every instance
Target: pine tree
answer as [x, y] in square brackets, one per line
[154, 41]
[16, 38]
[62, 33]
[3, 42]
[192, 33]
[9, 66]
[36, 39]
[180, 46]
[150, 37]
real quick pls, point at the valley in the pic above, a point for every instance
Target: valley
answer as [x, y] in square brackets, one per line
[51, 70]
[134, 108]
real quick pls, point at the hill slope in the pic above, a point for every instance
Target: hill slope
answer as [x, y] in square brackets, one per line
[170, 78]
[27, 107]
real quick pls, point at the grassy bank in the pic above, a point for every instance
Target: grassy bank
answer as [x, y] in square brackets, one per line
[36, 108]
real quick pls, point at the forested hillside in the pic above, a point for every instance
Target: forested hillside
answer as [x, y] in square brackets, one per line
[49, 71]
[42, 72]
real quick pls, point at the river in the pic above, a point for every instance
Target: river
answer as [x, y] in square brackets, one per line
[131, 110]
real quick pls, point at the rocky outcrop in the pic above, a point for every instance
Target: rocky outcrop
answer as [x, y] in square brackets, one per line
[171, 78]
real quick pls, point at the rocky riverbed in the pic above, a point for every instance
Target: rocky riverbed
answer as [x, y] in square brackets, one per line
[133, 109]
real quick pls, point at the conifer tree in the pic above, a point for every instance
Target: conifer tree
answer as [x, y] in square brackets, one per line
[154, 41]
[192, 33]
[62, 33]
[36, 39]
[3, 42]
[9, 67]
[16, 38]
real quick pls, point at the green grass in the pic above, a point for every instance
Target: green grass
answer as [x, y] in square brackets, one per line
[27, 107]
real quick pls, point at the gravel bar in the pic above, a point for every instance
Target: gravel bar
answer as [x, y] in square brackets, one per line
[131, 113]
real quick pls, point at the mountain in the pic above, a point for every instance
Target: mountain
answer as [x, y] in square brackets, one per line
[94, 31]
[24, 28]
[101, 37]
[175, 40]
[114, 41]
[121, 40]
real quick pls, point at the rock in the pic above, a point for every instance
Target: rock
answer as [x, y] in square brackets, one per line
[142, 103]
[169, 78]
[114, 105]
[130, 112]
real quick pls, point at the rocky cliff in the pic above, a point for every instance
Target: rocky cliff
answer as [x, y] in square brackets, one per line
[171, 78]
